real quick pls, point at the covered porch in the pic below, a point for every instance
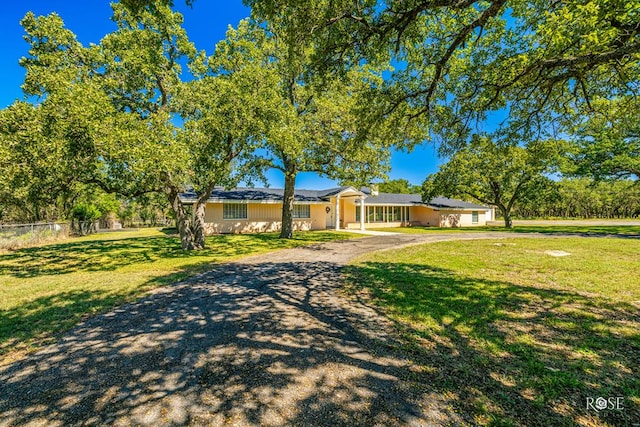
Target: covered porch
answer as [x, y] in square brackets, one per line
[342, 212]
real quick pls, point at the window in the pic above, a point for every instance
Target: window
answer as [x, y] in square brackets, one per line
[388, 214]
[474, 217]
[234, 211]
[395, 216]
[379, 213]
[302, 211]
[384, 213]
[370, 214]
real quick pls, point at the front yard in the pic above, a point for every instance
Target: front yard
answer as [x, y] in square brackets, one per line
[582, 230]
[47, 289]
[512, 335]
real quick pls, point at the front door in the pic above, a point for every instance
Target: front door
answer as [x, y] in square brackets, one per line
[330, 222]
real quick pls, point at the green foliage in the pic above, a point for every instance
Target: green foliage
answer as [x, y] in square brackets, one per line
[36, 174]
[583, 198]
[113, 106]
[313, 124]
[495, 174]
[460, 61]
[401, 186]
[608, 140]
[146, 210]
[85, 212]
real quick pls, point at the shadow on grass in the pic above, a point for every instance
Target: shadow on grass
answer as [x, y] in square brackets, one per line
[39, 319]
[44, 316]
[572, 230]
[511, 355]
[110, 254]
[252, 344]
[623, 231]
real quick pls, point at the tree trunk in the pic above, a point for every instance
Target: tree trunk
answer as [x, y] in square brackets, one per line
[287, 202]
[182, 220]
[506, 214]
[198, 224]
[199, 208]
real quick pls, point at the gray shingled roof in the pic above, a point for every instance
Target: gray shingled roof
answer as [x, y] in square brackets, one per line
[394, 198]
[265, 194]
[416, 199]
[276, 194]
[444, 202]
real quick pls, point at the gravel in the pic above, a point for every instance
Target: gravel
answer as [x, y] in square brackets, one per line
[267, 340]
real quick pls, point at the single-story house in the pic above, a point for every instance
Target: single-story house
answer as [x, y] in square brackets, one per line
[252, 210]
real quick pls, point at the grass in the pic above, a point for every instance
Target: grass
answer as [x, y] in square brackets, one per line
[582, 230]
[47, 289]
[512, 335]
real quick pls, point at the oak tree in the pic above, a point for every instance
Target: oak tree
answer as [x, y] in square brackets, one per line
[494, 174]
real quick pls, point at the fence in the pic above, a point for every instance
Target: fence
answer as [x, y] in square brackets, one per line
[13, 236]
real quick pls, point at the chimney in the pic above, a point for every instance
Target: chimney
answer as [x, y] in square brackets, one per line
[374, 189]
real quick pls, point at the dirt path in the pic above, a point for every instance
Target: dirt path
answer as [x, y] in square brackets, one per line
[266, 340]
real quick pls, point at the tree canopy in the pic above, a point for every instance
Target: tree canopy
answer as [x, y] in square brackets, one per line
[324, 86]
[315, 125]
[495, 174]
[459, 60]
[115, 106]
[401, 186]
[607, 142]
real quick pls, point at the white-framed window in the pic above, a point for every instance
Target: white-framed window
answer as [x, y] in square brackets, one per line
[384, 213]
[474, 217]
[302, 211]
[395, 213]
[379, 213]
[234, 211]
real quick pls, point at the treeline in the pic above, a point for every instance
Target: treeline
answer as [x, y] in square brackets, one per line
[583, 198]
[88, 204]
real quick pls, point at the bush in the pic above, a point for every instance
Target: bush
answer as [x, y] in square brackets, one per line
[84, 217]
[85, 212]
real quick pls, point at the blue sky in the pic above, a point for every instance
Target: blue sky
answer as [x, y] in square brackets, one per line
[206, 24]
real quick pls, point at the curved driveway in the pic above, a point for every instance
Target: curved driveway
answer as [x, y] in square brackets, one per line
[266, 340]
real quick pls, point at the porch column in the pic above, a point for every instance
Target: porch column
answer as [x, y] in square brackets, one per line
[338, 212]
[362, 212]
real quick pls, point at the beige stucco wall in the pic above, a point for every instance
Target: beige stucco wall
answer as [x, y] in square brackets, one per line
[461, 219]
[424, 216]
[348, 210]
[262, 217]
[421, 215]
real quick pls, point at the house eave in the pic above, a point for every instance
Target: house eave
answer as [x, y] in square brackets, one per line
[267, 202]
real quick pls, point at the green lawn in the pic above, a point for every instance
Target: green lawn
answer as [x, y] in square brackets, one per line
[514, 336]
[582, 230]
[47, 289]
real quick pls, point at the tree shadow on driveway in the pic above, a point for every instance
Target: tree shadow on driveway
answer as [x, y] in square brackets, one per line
[246, 344]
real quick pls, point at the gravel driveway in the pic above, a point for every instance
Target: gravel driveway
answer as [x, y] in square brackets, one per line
[266, 340]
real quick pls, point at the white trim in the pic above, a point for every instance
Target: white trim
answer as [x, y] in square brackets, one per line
[460, 209]
[361, 205]
[264, 202]
[337, 216]
[246, 211]
[301, 217]
[352, 189]
[374, 203]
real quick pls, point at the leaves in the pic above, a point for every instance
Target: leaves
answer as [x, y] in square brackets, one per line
[495, 174]
[459, 62]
